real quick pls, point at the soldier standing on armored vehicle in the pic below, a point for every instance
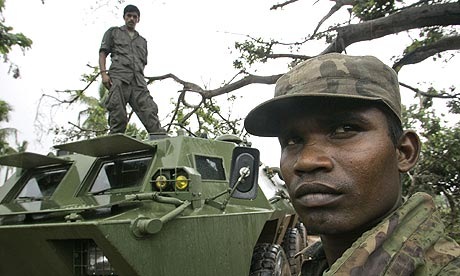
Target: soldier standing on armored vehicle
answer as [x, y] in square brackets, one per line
[338, 121]
[125, 78]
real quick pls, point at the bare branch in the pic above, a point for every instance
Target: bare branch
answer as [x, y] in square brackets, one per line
[181, 95]
[195, 108]
[407, 19]
[293, 56]
[188, 86]
[422, 53]
[250, 79]
[74, 99]
[338, 4]
[86, 129]
[426, 94]
[277, 6]
[207, 94]
[227, 122]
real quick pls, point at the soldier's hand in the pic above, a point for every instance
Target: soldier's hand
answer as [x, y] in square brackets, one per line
[106, 81]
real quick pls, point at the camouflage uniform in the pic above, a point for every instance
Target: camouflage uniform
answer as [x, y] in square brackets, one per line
[411, 241]
[129, 57]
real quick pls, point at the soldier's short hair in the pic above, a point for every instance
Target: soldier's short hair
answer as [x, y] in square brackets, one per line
[131, 8]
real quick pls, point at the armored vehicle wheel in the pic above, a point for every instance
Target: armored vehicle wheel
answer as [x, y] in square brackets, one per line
[292, 244]
[303, 234]
[269, 260]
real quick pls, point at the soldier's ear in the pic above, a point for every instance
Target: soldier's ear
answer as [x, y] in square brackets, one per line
[408, 150]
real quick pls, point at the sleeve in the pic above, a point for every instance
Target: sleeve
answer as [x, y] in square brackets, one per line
[146, 52]
[452, 268]
[107, 42]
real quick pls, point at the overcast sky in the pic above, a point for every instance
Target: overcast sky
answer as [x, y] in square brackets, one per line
[192, 39]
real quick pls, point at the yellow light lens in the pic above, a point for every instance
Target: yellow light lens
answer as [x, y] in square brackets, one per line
[181, 182]
[161, 182]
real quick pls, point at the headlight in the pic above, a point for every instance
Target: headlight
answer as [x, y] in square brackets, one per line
[161, 182]
[170, 180]
[181, 182]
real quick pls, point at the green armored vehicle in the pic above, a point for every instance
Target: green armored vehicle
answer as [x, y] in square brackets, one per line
[115, 205]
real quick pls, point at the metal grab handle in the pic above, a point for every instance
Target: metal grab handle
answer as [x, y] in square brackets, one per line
[155, 197]
[143, 226]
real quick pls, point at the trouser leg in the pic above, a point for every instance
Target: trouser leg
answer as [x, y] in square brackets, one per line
[146, 109]
[116, 106]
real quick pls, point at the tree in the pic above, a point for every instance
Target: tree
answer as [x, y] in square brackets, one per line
[437, 170]
[369, 20]
[4, 132]
[434, 22]
[9, 39]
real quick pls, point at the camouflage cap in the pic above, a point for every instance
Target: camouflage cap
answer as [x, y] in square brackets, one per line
[330, 75]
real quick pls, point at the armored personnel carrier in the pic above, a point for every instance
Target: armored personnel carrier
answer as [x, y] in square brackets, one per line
[167, 206]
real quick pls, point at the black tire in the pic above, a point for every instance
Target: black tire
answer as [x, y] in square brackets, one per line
[303, 234]
[269, 260]
[292, 244]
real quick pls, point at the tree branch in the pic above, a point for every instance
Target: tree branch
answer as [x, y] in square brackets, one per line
[422, 53]
[338, 4]
[426, 94]
[207, 94]
[407, 19]
[188, 86]
[293, 56]
[250, 79]
[277, 6]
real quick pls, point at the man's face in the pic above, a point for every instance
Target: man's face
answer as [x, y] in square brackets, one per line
[340, 167]
[131, 19]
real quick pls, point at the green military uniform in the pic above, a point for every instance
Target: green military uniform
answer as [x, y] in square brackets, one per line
[129, 57]
[411, 241]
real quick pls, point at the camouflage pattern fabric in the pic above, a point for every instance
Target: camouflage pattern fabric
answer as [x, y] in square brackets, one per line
[326, 77]
[411, 241]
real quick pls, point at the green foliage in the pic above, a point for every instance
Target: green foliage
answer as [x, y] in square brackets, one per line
[5, 108]
[368, 10]
[208, 119]
[92, 120]
[134, 131]
[8, 39]
[427, 36]
[4, 132]
[454, 105]
[437, 171]
[252, 51]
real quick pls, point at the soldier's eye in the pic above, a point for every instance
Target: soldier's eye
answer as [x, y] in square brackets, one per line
[289, 141]
[344, 130]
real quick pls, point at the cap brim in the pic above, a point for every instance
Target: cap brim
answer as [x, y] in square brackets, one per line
[267, 118]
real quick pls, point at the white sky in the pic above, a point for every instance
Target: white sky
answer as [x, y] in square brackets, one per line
[191, 39]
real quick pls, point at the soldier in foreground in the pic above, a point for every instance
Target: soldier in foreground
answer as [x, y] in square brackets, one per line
[125, 79]
[338, 121]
